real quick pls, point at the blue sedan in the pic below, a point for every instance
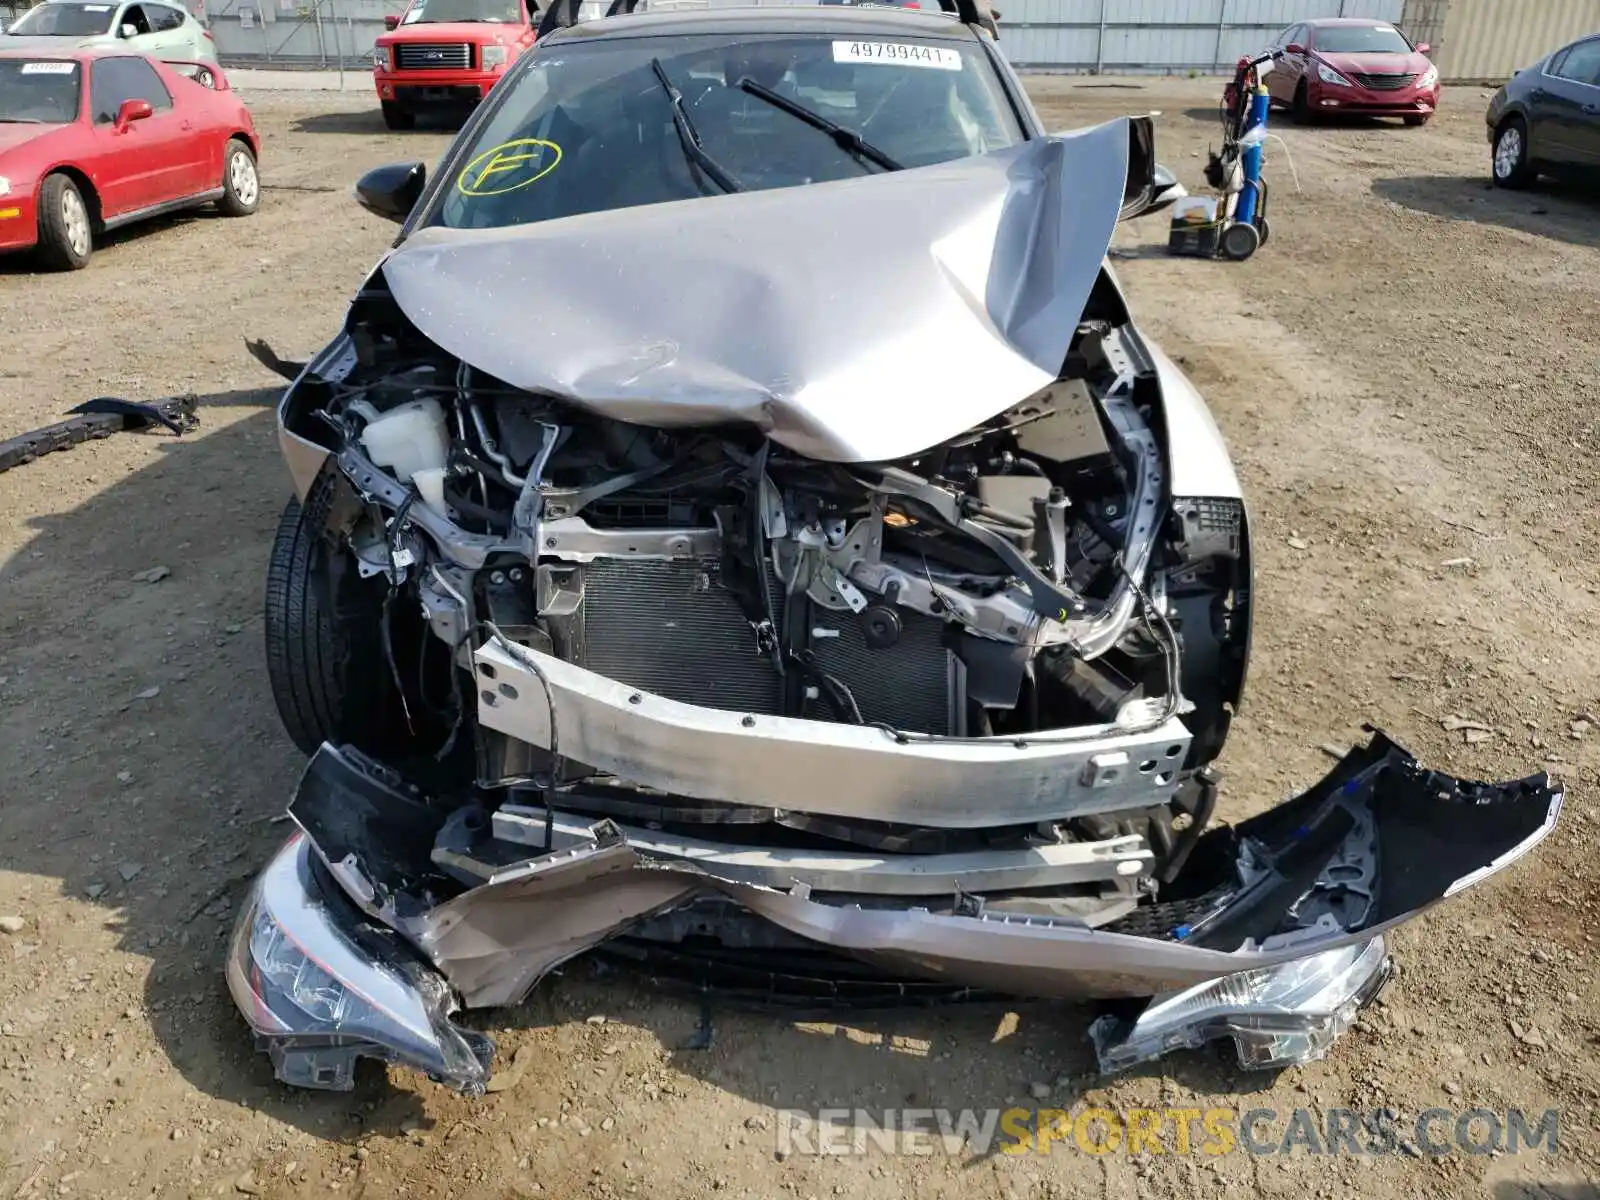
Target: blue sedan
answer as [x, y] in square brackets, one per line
[1546, 120]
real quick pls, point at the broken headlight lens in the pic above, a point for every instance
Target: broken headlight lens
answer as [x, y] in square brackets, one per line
[321, 994]
[1277, 1016]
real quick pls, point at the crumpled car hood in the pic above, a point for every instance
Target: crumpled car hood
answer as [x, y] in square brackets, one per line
[940, 296]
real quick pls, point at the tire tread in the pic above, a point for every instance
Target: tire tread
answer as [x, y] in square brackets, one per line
[300, 635]
[54, 247]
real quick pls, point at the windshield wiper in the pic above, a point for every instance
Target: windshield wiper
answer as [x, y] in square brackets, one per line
[21, 121]
[847, 139]
[687, 134]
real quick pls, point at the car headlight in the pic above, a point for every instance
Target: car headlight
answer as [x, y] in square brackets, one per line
[5, 186]
[1328, 75]
[380, 58]
[319, 997]
[1429, 77]
[494, 56]
[1277, 1016]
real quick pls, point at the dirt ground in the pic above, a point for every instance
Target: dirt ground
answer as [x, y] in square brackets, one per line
[1408, 375]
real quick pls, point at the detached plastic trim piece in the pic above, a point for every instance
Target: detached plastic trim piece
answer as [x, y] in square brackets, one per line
[99, 418]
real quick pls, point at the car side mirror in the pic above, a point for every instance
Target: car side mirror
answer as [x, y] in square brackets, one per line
[128, 31]
[1139, 191]
[1165, 190]
[1424, 48]
[392, 191]
[131, 111]
[1294, 48]
[391, 21]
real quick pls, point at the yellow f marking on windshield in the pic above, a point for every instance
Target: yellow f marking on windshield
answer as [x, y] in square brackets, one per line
[508, 166]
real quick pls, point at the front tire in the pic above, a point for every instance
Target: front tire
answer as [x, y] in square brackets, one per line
[66, 230]
[1508, 165]
[241, 183]
[1301, 108]
[324, 642]
[1419, 120]
[396, 116]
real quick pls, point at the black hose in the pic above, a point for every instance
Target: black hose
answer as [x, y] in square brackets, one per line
[493, 518]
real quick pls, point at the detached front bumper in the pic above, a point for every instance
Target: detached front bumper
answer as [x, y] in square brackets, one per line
[370, 926]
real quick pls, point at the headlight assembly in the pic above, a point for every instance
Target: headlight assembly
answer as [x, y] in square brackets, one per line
[321, 992]
[1277, 1016]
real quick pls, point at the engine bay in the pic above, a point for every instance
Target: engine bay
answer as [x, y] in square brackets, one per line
[1029, 576]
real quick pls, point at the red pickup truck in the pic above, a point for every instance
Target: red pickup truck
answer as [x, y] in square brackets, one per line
[446, 54]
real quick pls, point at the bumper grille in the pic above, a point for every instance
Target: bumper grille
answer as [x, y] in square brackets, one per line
[671, 628]
[433, 56]
[1383, 83]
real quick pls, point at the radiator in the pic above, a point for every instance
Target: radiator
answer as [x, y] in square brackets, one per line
[672, 629]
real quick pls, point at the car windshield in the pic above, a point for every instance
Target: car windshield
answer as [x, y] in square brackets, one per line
[44, 92]
[436, 12]
[1361, 39]
[64, 20]
[588, 127]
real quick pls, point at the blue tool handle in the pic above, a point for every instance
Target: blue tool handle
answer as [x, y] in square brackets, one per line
[1250, 161]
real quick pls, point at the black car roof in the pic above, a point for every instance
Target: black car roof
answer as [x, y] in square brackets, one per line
[822, 19]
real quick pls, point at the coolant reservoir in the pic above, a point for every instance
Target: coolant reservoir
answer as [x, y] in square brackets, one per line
[409, 438]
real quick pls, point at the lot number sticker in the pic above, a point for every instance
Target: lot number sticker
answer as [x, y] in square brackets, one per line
[49, 68]
[899, 54]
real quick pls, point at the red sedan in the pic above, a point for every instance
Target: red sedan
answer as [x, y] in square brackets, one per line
[1363, 67]
[91, 140]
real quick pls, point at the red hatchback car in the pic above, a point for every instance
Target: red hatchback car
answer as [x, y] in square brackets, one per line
[1368, 68]
[91, 140]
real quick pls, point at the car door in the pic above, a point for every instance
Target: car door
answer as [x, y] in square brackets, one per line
[1568, 114]
[146, 162]
[197, 112]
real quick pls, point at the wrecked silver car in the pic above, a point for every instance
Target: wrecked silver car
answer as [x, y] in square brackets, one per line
[741, 525]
